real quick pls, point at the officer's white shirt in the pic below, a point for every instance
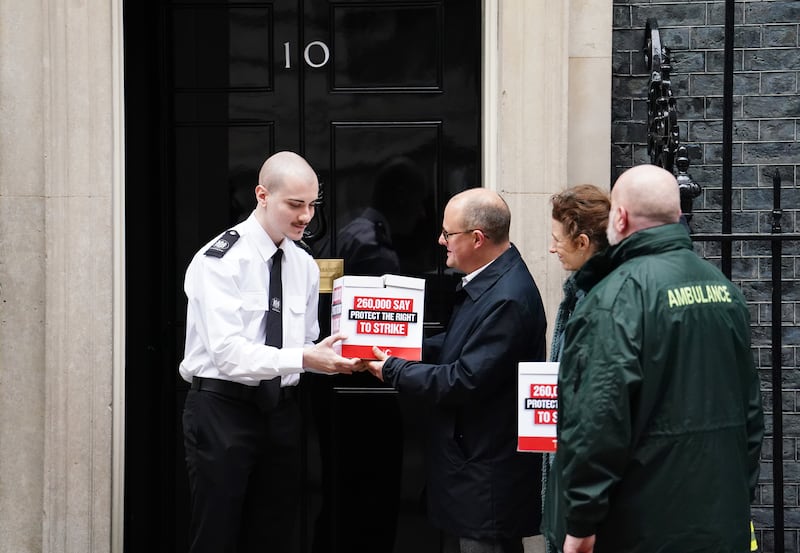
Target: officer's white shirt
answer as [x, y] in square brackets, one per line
[227, 305]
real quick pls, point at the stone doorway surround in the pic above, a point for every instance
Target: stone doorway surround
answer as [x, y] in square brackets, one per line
[547, 94]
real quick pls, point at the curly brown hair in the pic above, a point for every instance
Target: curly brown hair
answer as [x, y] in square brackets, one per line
[583, 209]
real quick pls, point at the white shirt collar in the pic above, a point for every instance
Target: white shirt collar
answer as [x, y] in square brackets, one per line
[466, 278]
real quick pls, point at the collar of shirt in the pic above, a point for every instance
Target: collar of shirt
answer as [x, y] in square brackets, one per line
[264, 244]
[466, 278]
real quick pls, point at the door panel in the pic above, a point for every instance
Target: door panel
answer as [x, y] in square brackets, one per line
[382, 98]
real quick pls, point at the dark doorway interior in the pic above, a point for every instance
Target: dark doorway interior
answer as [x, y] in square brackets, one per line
[383, 99]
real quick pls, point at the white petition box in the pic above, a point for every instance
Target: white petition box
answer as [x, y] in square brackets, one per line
[384, 311]
[537, 393]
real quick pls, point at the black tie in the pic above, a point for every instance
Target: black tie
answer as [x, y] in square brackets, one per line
[269, 390]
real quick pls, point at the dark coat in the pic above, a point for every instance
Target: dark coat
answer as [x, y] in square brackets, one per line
[660, 419]
[478, 485]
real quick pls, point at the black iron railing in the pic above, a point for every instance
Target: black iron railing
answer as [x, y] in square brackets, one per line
[665, 149]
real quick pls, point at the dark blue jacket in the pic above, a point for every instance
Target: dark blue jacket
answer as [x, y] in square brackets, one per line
[478, 485]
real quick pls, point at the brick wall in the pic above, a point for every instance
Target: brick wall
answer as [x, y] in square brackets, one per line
[765, 139]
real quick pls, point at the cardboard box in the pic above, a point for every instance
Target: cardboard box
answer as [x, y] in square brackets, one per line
[385, 311]
[537, 393]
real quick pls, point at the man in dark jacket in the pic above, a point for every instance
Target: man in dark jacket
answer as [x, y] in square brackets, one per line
[660, 418]
[481, 492]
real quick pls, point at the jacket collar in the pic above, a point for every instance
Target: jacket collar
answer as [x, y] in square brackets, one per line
[497, 268]
[660, 239]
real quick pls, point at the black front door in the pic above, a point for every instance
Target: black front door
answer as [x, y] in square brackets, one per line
[383, 99]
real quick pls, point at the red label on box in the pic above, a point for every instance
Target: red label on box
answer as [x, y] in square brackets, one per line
[365, 352]
[545, 416]
[383, 304]
[385, 329]
[536, 443]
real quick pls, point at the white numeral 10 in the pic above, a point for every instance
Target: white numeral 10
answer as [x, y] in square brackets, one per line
[326, 54]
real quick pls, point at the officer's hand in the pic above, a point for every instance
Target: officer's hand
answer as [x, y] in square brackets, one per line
[322, 357]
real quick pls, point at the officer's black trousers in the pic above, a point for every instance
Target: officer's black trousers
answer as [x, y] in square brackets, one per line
[244, 474]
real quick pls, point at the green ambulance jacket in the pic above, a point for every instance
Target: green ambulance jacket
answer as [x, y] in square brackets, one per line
[660, 418]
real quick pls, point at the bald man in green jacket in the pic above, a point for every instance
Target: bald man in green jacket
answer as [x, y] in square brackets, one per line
[660, 421]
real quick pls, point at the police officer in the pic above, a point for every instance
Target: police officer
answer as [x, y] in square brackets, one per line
[250, 329]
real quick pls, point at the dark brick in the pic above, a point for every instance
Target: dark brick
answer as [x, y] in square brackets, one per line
[675, 39]
[639, 110]
[621, 63]
[707, 175]
[789, 376]
[679, 84]
[757, 198]
[706, 222]
[627, 41]
[773, 152]
[747, 36]
[791, 337]
[621, 109]
[711, 131]
[772, 12]
[771, 106]
[714, 153]
[786, 311]
[744, 267]
[791, 517]
[628, 132]
[776, 129]
[713, 38]
[708, 38]
[765, 224]
[689, 61]
[775, 59]
[621, 17]
[765, 266]
[756, 291]
[635, 87]
[790, 495]
[711, 84]
[759, 248]
[640, 155]
[695, 156]
[745, 130]
[766, 175]
[714, 107]
[746, 83]
[690, 107]
[705, 131]
[669, 15]
[621, 155]
[744, 175]
[716, 13]
[745, 222]
[638, 64]
[778, 83]
[780, 35]
[706, 84]
[715, 61]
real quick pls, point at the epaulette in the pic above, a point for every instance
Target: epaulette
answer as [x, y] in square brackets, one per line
[221, 246]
